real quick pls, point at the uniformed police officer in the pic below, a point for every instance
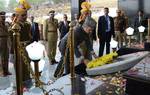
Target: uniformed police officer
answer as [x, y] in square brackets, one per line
[51, 35]
[4, 52]
[120, 26]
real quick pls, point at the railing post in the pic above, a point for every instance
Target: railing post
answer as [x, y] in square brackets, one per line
[76, 83]
[71, 50]
[18, 66]
[36, 71]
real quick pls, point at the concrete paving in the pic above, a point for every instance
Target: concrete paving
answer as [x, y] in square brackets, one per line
[7, 83]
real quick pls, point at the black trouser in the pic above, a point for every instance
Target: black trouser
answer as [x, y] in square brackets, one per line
[105, 39]
[79, 69]
[101, 48]
[63, 65]
[67, 63]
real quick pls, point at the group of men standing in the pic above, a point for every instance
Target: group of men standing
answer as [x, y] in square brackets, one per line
[116, 27]
[107, 29]
[84, 32]
[29, 32]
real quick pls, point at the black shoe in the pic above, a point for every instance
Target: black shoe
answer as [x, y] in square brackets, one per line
[64, 74]
[54, 62]
[7, 73]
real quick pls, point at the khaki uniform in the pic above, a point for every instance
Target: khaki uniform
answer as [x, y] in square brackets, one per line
[120, 26]
[51, 34]
[4, 51]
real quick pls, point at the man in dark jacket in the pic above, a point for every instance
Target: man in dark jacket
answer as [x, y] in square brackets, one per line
[105, 31]
[81, 33]
[34, 30]
[140, 20]
[64, 27]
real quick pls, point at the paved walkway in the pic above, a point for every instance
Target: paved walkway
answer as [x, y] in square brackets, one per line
[7, 83]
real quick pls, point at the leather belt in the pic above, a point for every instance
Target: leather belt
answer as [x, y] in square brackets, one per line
[52, 31]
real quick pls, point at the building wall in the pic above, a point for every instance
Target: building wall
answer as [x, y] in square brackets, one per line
[131, 7]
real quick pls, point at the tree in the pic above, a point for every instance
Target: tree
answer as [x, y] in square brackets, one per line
[2, 7]
[60, 1]
[12, 4]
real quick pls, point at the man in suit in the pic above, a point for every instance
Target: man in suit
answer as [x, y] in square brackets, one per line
[34, 30]
[140, 20]
[64, 26]
[105, 31]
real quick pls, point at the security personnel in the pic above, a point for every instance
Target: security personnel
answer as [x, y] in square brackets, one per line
[4, 51]
[51, 35]
[120, 26]
[24, 28]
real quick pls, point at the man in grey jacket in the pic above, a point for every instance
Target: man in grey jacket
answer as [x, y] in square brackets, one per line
[81, 33]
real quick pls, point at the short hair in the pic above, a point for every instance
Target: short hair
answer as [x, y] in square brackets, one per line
[2, 13]
[141, 11]
[106, 8]
[52, 11]
[13, 15]
[90, 22]
[65, 15]
[118, 11]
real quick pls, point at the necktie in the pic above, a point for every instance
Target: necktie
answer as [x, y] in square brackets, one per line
[139, 19]
[65, 23]
[33, 28]
[107, 24]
